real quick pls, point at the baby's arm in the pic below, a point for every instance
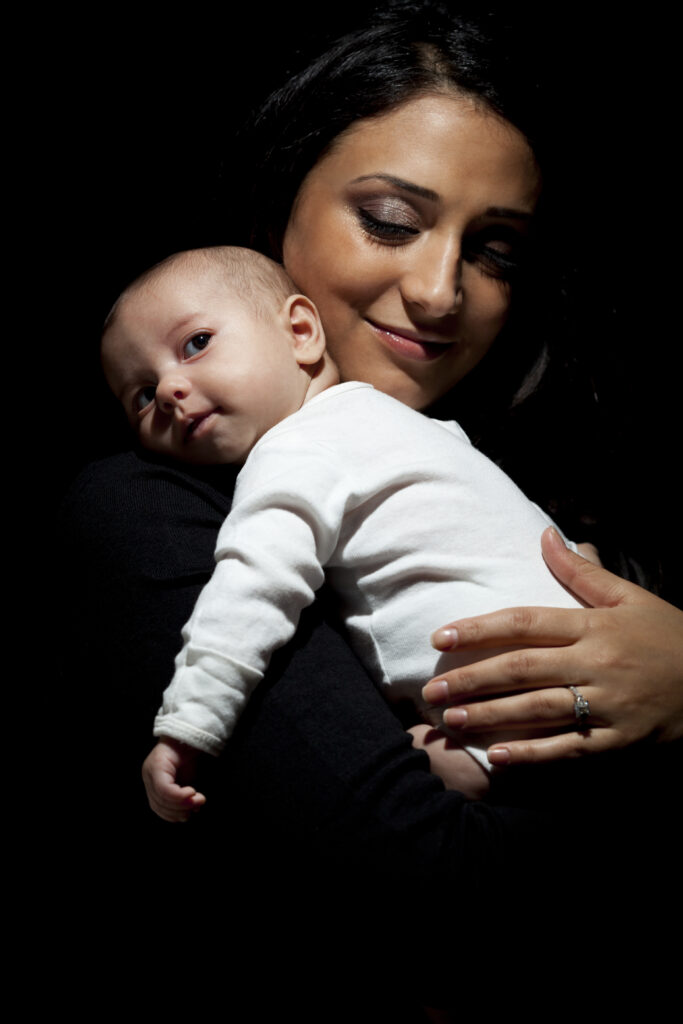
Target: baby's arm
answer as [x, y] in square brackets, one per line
[166, 767]
[268, 568]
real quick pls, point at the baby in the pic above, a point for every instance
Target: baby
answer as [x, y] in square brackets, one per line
[216, 359]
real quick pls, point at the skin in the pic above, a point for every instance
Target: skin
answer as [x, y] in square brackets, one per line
[431, 264]
[624, 651]
[411, 238]
[375, 254]
[200, 377]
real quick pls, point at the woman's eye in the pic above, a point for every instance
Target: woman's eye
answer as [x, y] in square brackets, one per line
[196, 344]
[144, 397]
[496, 255]
[389, 220]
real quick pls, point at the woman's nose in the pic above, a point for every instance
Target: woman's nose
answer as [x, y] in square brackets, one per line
[433, 281]
[171, 391]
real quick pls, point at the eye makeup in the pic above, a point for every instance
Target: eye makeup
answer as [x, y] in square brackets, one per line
[380, 228]
[498, 250]
[386, 218]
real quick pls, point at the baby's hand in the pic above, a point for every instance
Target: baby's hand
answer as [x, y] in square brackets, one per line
[169, 762]
[455, 767]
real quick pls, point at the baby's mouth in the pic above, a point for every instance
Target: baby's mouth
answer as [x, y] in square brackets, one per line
[195, 424]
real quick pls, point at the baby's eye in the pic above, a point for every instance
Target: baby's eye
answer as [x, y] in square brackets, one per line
[144, 397]
[197, 343]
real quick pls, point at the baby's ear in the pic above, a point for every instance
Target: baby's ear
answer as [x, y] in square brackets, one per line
[303, 322]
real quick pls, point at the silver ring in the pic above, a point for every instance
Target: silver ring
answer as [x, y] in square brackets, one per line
[582, 708]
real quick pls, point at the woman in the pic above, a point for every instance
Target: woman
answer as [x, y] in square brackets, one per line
[297, 219]
[396, 237]
[413, 254]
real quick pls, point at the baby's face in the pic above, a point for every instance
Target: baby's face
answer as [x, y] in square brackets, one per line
[201, 378]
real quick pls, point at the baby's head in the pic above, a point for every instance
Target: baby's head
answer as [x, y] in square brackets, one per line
[209, 350]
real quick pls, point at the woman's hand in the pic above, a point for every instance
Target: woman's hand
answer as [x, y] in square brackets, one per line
[624, 653]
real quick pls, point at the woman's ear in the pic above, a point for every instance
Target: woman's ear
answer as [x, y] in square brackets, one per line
[303, 323]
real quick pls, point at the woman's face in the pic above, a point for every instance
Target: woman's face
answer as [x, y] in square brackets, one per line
[405, 235]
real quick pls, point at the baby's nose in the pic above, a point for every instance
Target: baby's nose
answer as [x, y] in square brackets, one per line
[172, 390]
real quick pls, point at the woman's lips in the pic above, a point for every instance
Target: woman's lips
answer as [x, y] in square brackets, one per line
[410, 344]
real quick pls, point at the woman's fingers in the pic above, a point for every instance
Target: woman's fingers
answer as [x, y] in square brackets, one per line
[554, 748]
[623, 651]
[504, 673]
[525, 711]
[592, 584]
[589, 551]
[551, 627]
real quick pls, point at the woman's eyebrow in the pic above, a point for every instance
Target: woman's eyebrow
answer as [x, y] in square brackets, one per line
[428, 193]
[505, 211]
[407, 186]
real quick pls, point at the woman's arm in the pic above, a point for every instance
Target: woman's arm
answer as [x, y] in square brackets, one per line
[624, 653]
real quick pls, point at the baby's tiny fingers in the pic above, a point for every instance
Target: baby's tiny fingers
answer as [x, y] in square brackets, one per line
[181, 796]
[168, 811]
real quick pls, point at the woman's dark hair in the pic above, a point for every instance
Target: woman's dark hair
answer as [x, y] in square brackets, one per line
[407, 49]
[539, 374]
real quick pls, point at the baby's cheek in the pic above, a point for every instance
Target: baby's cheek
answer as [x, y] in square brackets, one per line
[148, 438]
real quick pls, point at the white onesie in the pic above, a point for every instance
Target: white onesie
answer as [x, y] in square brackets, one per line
[411, 526]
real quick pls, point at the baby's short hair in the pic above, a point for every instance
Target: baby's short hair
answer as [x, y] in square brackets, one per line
[263, 284]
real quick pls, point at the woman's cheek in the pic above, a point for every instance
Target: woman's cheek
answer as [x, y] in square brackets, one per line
[489, 308]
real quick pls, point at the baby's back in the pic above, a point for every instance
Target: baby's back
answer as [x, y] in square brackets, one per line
[416, 528]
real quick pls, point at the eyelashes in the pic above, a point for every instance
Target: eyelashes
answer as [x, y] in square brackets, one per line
[493, 263]
[380, 229]
[496, 251]
[196, 344]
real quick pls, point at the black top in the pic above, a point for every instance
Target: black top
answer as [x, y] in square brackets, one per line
[320, 784]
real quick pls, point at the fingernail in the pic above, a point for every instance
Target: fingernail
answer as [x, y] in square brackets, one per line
[498, 755]
[445, 639]
[456, 718]
[556, 536]
[435, 692]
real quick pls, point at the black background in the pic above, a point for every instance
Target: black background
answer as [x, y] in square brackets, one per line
[126, 153]
[133, 131]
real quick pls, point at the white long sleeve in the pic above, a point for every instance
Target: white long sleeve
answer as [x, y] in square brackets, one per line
[269, 563]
